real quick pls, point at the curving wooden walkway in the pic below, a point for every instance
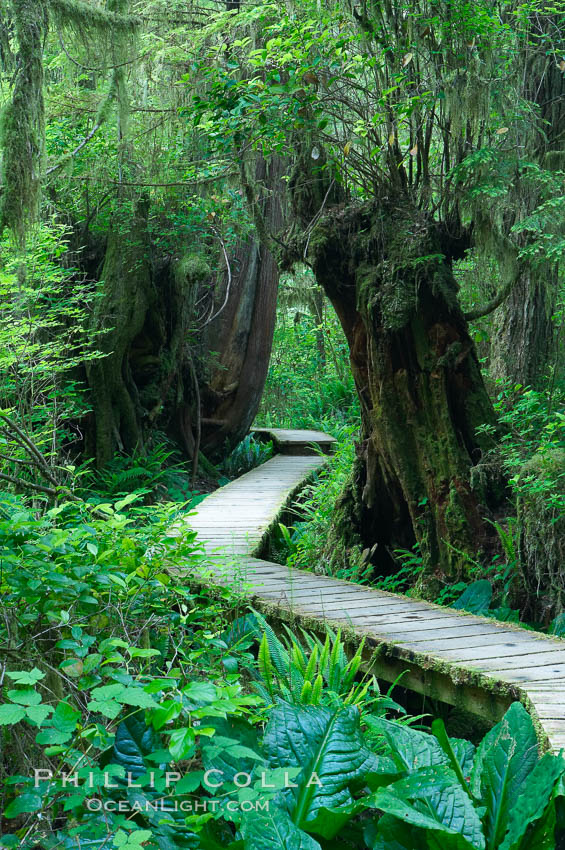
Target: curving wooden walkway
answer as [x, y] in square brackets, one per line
[449, 655]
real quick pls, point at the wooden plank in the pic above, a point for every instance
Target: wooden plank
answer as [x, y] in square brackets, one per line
[499, 637]
[519, 653]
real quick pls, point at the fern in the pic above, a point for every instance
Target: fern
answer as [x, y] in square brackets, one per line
[308, 672]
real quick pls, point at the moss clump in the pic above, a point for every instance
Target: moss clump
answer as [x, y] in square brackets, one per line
[83, 17]
[190, 270]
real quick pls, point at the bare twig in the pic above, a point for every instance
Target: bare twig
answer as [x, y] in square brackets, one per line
[31, 447]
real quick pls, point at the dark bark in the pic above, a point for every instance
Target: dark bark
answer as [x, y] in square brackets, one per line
[119, 317]
[419, 475]
[242, 335]
[318, 313]
[140, 324]
[147, 329]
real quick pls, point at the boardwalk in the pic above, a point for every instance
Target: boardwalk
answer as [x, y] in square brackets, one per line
[455, 657]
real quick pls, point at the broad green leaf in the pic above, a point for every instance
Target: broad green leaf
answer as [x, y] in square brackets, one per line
[25, 697]
[53, 737]
[137, 697]
[410, 748]
[167, 711]
[109, 708]
[433, 799]
[181, 743]
[133, 742]
[39, 713]
[541, 834]
[390, 833]
[464, 752]
[23, 677]
[438, 729]
[476, 598]
[274, 830]
[22, 804]
[327, 745]
[65, 718]
[233, 748]
[383, 771]
[531, 805]
[11, 713]
[504, 762]
[200, 692]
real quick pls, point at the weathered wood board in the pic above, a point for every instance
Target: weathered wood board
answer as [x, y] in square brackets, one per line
[456, 657]
[291, 442]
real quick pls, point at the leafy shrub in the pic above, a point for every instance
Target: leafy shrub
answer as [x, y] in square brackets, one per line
[44, 343]
[309, 544]
[121, 676]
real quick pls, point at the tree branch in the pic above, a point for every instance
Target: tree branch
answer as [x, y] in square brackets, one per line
[495, 302]
[76, 150]
[19, 482]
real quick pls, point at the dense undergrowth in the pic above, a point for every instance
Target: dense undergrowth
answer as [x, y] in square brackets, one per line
[139, 711]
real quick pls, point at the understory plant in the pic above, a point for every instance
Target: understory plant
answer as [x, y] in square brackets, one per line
[140, 711]
[306, 543]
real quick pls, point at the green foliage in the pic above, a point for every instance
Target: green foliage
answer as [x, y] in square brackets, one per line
[124, 677]
[246, 456]
[44, 340]
[307, 542]
[155, 474]
[309, 384]
[315, 672]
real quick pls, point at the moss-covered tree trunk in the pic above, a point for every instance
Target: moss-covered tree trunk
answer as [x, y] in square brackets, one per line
[420, 475]
[141, 324]
[522, 346]
[125, 297]
[163, 366]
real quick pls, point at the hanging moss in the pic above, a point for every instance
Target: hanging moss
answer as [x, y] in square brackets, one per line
[84, 17]
[23, 121]
[22, 128]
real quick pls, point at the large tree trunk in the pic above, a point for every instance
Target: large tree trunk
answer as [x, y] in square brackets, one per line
[126, 296]
[242, 335]
[159, 368]
[420, 475]
[522, 345]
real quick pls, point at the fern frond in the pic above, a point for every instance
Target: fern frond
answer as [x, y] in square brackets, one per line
[265, 665]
